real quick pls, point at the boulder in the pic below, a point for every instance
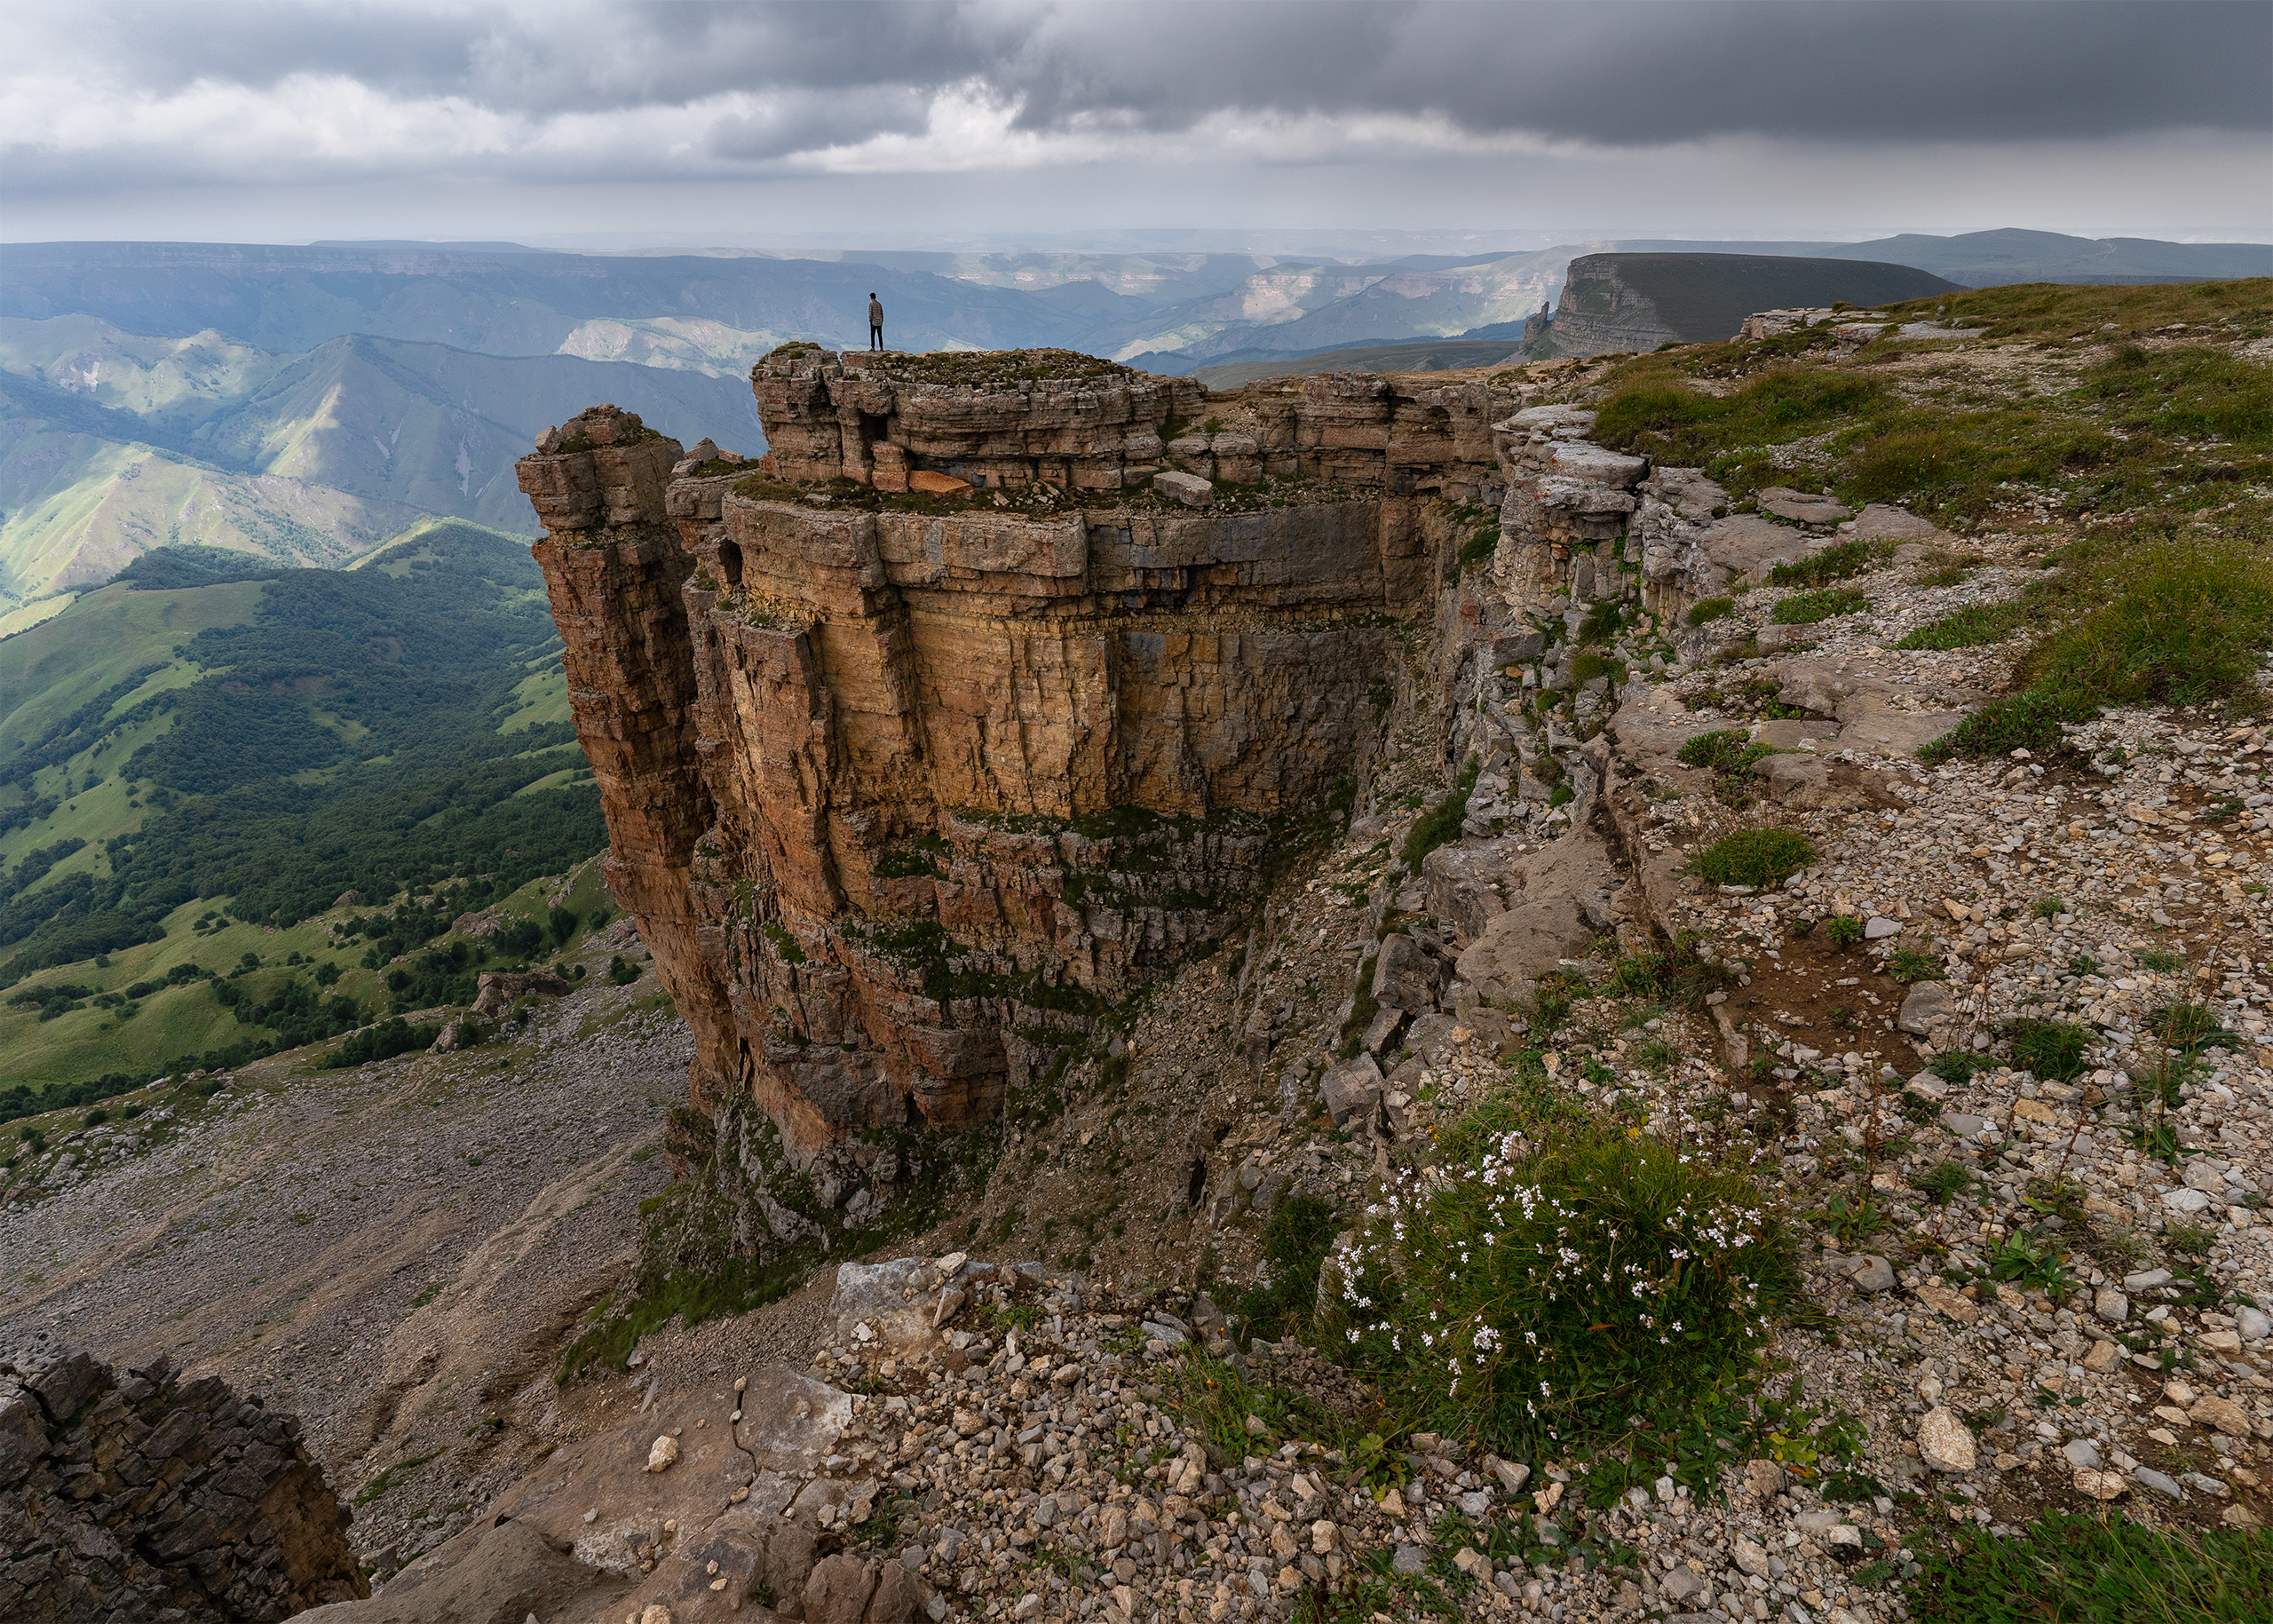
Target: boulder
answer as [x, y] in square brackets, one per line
[2212, 1413]
[1796, 781]
[1928, 1001]
[1566, 898]
[1740, 551]
[1380, 1034]
[1879, 522]
[492, 1574]
[463, 1032]
[1352, 1089]
[931, 482]
[1190, 489]
[1596, 464]
[1516, 647]
[1406, 975]
[888, 1298]
[1464, 885]
[497, 989]
[135, 1496]
[1801, 508]
[1866, 703]
[1871, 1274]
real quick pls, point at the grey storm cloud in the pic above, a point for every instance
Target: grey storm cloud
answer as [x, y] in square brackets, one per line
[1618, 74]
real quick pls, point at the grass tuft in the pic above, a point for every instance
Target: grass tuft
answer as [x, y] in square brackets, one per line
[2091, 1569]
[1755, 856]
[1440, 824]
[1831, 564]
[1969, 628]
[1806, 608]
[1568, 1285]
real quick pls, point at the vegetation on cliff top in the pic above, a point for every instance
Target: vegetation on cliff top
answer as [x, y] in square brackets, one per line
[2179, 425]
[985, 369]
[2154, 444]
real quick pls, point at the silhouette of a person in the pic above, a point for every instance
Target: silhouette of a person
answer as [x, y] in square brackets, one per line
[875, 323]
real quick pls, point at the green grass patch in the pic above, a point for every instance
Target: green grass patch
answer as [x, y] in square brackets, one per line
[1682, 425]
[1555, 1291]
[1723, 750]
[1908, 965]
[1969, 626]
[1755, 856]
[1708, 609]
[1295, 1246]
[2063, 310]
[386, 1480]
[2130, 433]
[2070, 1569]
[2053, 1050]
[1806, 608]
[1440, 824]
[2191, 391]
[1831, 564]
[2154, 614]
[1945, 1181]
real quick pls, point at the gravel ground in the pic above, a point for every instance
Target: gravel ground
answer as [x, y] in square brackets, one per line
[393, 1252]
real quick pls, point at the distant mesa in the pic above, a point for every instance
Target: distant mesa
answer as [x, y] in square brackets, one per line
[1633, 303]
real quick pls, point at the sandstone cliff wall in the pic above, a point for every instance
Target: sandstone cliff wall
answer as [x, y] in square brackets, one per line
[875, 420]
[909, 795]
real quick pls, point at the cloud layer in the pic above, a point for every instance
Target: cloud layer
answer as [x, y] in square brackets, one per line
[101, 97]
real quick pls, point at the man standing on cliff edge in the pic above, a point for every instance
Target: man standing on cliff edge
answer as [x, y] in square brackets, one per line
[875, 323]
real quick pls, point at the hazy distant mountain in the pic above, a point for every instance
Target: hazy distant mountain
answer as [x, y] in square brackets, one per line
[1307, 309]
[111, 443]
[501, 303]
[1428, 355]
[1992, 259]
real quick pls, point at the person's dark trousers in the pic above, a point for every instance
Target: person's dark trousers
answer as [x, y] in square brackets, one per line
[876, 337]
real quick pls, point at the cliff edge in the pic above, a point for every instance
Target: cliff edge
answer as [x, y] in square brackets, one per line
[994, 685]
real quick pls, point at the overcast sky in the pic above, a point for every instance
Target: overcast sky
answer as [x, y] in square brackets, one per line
[880, 123]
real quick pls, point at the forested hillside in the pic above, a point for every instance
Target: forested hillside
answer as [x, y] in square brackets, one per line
[206, 740]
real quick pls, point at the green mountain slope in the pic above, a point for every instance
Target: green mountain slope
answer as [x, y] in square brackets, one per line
[211, 737]
[113, 443]
[438, 429]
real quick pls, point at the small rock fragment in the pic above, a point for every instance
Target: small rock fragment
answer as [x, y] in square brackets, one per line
[1944, 1442]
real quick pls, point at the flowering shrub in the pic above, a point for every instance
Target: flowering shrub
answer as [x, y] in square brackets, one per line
[1565, 1287]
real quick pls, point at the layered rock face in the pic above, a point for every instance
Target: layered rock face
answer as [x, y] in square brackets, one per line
[141, 1497]
[1055, 417]
[906, 794]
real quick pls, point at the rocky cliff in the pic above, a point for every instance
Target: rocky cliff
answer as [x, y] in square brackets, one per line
[1633, 303]
[925, 739]
[139, 1496]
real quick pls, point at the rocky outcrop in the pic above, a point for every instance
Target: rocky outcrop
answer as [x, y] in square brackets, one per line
[1082, 425]
[499, 988]
[908, 791]
[141, 1497]
[1631, 304]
